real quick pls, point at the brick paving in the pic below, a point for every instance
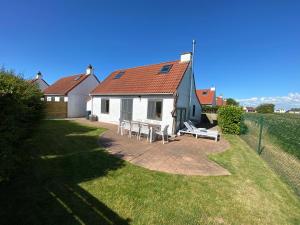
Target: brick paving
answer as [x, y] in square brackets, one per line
[182, 155]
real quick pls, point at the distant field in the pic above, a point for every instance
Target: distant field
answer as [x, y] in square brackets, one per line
[283, 129]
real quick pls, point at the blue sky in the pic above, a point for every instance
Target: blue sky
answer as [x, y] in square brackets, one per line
[247, 49]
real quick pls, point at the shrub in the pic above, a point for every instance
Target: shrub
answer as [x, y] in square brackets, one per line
[210, 109]
[229, 119]
[20, 110]
[265, 108]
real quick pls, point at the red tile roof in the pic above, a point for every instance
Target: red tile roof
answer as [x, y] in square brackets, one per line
[143, 80]
[64, 85]
[206, 96]
[220, 101]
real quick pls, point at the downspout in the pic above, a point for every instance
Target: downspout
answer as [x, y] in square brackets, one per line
[192, 75]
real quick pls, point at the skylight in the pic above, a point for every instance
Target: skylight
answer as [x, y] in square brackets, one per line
[165, 69]
[119, 75]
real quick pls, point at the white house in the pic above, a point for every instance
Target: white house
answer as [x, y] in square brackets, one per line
[74, 90]
[39, 81]
[162, 93]
[280, 111]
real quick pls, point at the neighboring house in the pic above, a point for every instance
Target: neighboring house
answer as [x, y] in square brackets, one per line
[68, 96]
[279, 111]
[294, 111]
[207, 97]
[248, 109]
[162, 93]
[39, 81]
[220, 101]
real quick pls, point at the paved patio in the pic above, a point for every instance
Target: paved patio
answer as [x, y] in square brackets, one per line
[182, 155]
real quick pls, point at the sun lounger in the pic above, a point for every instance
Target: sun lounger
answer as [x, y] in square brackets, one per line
[199, 132]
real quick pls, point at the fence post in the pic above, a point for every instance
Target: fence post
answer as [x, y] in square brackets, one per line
[261, 122]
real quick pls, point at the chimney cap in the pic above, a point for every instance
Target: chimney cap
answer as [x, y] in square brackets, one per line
[186, 57]
[90, 66]
[38, 75]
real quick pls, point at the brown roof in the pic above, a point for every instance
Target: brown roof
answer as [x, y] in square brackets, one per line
[206, 96]
[220, 101]
[143, 80]
[64, 85]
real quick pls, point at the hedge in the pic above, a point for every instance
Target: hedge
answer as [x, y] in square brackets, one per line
[210, 109]
[21, 109]
[229, 119]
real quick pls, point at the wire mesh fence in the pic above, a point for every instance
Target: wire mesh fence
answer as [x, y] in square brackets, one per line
[276, 138]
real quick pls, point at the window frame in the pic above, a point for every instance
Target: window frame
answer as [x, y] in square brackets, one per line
[154, 110]
[119, 75]
[106, 108]
[194, 111]
[165, 72]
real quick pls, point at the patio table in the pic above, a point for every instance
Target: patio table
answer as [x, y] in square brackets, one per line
[152, 127]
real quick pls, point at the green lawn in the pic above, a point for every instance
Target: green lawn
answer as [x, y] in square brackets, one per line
[73, 181]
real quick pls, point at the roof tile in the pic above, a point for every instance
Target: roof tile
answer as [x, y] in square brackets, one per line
[143, 80]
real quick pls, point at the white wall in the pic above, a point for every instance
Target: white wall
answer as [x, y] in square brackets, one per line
[41, 84]
[184, 94]
[140, 109]
[78, 97]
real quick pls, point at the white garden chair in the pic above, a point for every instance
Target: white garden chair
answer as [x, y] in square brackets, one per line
[164, 134]
[135, 128]
[144, 130]
[125, 125]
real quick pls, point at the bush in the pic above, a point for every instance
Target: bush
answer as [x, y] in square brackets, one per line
[229, 119]
[210, 109]
[20, 110]
[265, 108]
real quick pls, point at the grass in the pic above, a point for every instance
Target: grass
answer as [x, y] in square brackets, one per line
[73, 181]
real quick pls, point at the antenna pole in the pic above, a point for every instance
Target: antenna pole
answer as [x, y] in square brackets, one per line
[192, 75]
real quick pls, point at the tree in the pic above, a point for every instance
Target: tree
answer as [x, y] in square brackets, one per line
[265, 108]
[21, 109]
[231, 101]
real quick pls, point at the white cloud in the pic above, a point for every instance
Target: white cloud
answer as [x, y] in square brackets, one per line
[292, 100]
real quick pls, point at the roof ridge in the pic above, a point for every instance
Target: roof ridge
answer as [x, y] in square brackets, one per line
[146, 65]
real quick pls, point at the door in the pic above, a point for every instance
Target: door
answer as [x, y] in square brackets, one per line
[180, 118]
[126, 109]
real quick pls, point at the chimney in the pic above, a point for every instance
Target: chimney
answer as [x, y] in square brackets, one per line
[186, 57]
[89, 70]
[39, 75]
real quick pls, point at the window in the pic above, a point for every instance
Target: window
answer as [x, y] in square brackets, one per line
[204, 93]
[119, 75]
[65, 99]
[194, 110]
[56, 99]
[48, 99]
[105, 106]
[154, 109]
[165, 69]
